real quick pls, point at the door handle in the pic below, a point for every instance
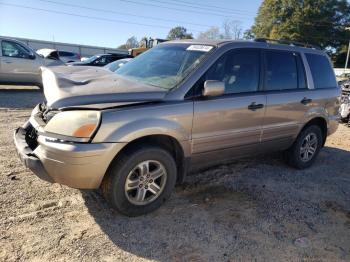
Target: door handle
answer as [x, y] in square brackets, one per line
[253, 106]
[8, 62]
[306, 101]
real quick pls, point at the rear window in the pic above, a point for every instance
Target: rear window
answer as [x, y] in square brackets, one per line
[321, 70]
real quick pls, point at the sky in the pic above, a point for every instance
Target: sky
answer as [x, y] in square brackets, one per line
[108, 23]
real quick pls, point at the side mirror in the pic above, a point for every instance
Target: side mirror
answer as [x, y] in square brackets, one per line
[32, 56]
[213, 88]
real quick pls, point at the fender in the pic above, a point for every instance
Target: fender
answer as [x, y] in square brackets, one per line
[125, 126]
[146, 127]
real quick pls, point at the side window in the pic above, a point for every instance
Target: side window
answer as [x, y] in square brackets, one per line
[238, 69]
[65, 53]
[110, 59]
[321, 70]
[281, 71]
[103, 60]
[12, 49]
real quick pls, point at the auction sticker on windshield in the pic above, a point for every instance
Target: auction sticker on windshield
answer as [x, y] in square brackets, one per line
[203, 48]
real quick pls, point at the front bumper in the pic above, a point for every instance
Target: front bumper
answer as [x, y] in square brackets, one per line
[26, 155]
[77, 165]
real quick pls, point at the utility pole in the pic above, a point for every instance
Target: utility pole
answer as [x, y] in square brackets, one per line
[347, 56]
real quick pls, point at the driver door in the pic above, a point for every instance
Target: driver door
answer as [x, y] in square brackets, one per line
[230, 126]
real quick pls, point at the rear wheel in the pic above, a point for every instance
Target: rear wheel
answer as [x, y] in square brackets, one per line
[306, 147]
[140, 181]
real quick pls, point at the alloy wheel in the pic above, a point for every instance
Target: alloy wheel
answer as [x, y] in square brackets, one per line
[145, 182]
[308, 147]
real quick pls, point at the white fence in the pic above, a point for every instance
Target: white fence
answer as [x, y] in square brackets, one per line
[339, 71]
[83, 50]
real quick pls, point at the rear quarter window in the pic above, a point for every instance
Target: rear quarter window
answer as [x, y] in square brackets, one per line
[322, 71]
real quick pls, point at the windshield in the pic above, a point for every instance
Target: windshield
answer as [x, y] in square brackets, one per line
[164, 66]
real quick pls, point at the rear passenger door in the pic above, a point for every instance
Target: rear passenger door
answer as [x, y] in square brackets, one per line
[288, 98]
[228, 126]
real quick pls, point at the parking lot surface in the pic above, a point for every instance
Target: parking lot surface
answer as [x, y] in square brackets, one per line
[255, 208]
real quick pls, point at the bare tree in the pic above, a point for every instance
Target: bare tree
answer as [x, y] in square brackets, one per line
[232, 29]
[143, 42]
[211, 33]
[131, 42]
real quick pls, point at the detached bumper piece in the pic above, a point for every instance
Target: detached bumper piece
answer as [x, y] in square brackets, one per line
[27, 156]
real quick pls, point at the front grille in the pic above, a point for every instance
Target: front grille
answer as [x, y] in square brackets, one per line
[46, 112]
[31, 137]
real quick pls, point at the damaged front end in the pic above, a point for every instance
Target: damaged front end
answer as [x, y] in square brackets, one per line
[26, 141]
[56, 146]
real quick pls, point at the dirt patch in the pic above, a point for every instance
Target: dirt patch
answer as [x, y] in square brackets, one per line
[253, 209]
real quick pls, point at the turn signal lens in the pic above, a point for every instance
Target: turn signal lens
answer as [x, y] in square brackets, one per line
[85, 130]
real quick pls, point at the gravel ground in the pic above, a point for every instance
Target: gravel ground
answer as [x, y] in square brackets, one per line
[253, 209]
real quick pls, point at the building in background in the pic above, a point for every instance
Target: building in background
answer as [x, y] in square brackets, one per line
[82, 50]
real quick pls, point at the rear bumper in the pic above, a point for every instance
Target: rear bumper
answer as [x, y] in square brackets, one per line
[333, 123]
[77, 165]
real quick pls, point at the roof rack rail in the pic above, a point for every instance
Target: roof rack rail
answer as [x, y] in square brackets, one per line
[287, 42]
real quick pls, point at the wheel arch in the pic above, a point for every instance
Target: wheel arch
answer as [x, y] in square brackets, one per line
[321, 122]
[176, 148]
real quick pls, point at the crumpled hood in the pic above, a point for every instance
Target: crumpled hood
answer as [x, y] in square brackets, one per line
[77, 86]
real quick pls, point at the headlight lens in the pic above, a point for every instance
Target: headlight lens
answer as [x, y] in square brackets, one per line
[79, 123]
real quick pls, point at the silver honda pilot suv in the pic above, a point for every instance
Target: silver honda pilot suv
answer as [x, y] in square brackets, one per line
[179, 107]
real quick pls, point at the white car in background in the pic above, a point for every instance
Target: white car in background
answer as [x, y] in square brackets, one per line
[64, 56]
[19, 64]
[114, 66]
[84, 58]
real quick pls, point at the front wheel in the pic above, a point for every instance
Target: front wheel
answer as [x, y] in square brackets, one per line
[140, 181]
[306, 147]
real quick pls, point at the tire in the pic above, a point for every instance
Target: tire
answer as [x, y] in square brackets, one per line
[130, 166]
[294, 155]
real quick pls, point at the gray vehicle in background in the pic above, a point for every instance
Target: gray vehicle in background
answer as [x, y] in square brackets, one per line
[19, 64]
[179, 107]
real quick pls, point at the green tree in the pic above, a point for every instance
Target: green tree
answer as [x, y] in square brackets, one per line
[320, 22]
[179, 32]
[248, 34]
